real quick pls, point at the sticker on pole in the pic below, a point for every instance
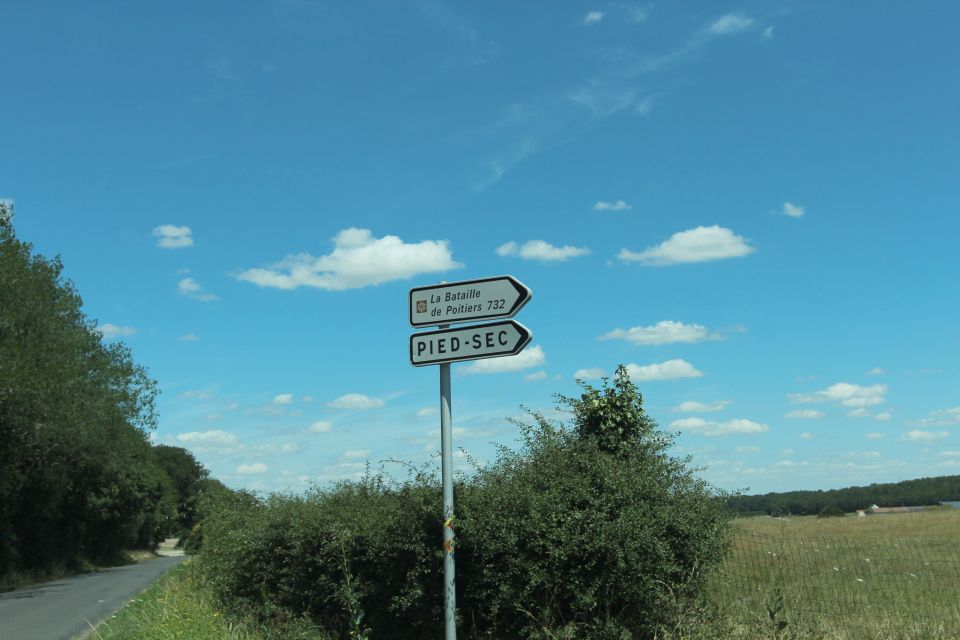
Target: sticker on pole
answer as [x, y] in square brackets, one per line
[468, 300]
[506, 338]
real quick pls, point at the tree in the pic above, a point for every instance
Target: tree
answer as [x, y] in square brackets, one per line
[187, 475]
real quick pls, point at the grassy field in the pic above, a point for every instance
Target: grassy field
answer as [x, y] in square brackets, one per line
[891, 577]
[886, 576]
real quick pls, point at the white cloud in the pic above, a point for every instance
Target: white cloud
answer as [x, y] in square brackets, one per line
[876, 371]
[357, 260]
[591, 373]
[858, 413]
[172, 237]
[692, 406]
[924, 436]
[950, 454]
[526, 359]
[283, 448]
[540, 250]
[221, 438]
[593, 17]
[849, 395]
[192, 289]
[792, 210]
[768, 33]
[875, 435]
[356, 401]
[252, 469]
[731, 23]
[428, 411]
[535, 376]
[321, 426]
[712, 428]
[864, 454]
[283, 398]
[189, 337]
[669, 370]
[618, 205]
[942, 417]
[113, 331]
[806, 436]
[664, 332]
[356, 454]
[214, 417]
[882, 417]
[196, 395]
[805, 414]
[694, 245]
[787, 452]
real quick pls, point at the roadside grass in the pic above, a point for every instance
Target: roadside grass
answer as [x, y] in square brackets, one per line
[181, 606]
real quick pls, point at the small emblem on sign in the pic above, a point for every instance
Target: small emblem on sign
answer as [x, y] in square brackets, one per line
[421, 306]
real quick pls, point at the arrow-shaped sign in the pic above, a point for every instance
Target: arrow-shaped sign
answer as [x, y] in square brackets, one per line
[467, 300]
[505, 338]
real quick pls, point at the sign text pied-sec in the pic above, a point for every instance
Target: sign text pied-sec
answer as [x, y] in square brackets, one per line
[505, 338]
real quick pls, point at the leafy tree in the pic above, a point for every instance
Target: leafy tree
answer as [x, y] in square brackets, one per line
[187, 475]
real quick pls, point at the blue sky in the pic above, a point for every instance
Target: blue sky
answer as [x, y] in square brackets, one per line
[753, 206]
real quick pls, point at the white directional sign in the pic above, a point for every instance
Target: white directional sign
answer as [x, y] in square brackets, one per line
[505, 338]
[467, 300]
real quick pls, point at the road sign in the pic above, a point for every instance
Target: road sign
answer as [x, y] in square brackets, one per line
[467, 300]
[505, 338]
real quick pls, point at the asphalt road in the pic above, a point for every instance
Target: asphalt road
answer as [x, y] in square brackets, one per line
[65, 609]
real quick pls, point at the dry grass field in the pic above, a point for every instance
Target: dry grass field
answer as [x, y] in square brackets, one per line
[880, 576]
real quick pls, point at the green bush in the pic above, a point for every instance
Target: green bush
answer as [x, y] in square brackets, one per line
[831, 511]
[591, 530]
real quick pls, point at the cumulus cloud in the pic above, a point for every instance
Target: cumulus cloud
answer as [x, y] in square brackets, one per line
[282, 448]
[535, 376]
[858, 413]
[918, 435]
[283, 398]
[712, 428]
[692, 406]
[876, 371]
[805, 414]
[694, 245]
[593, 17]
[321, 426]
[883, 416]
[356, 454]
[591, 373]
[617, 205]
[173, 237]
[664, 332]
[357, 260]
[427, 411]
[192, 289]
[355, 401]
[540, 250]
[526, 359]
[792, 210]
[731, 23]
[669, 370]
[252, 469]
[849, 395]
[115, 331]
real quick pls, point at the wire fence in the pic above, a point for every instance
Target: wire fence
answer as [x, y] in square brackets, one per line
[855, 587]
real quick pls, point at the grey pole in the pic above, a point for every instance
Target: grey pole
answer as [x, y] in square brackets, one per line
[446, 454]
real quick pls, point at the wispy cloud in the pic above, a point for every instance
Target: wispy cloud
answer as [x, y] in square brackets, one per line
[849, 395]
[252, 469]
[356, 401]
[942, 417]
[731, 23]
[358, 260]
[110, 331]
[541, 251]
[918, 435]
[615, 205]
[701, 244]
[192, 289]
[805, 414]
[792, 210]
[692, 406]
[593, 17]
[173, 237]
[591, 373]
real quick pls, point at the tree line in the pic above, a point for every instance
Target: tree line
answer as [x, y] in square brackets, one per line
[79, 478]
[909, 493]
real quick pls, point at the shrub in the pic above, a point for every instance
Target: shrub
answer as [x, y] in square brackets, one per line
[831, 511]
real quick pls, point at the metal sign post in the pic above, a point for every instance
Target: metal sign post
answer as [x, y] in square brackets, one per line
[440, 305]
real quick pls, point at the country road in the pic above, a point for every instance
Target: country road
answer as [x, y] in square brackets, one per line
[66, 609]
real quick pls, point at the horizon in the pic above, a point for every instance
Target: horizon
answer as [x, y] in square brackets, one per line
[748, 206]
